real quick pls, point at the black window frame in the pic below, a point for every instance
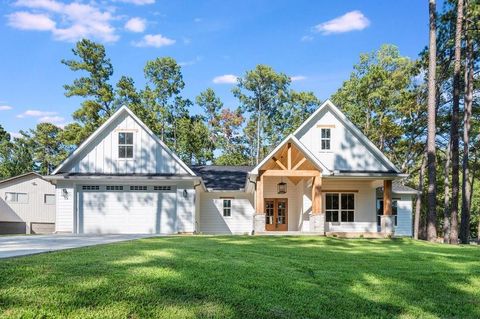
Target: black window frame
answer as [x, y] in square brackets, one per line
[227, 209]
[340, 207]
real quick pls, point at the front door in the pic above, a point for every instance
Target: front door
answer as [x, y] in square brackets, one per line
[276, 214]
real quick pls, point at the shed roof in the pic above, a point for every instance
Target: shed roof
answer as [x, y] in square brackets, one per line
[218, 177]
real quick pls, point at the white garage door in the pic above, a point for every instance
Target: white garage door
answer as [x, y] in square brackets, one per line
[127, 209]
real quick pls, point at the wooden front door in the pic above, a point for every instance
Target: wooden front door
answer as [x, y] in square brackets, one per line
[276, 214]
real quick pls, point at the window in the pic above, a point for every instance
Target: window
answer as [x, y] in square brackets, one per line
[162, 188]
[325, 139]
[331, 207]
[227, 207]
[340, 207]
[91, 187]
[114, 188]
[49, 199]
[20, 198]
[125, 145]
[348, 206]
[380, 211]
[138, 188]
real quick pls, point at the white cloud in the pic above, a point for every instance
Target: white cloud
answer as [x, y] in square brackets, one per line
[298, 78]
[225, 79]
[190, 62]
[350, 21]
[67, 22]
[52, 119]
[306, 38]
[138, 2]
[36, 113]
[197, 20]
[29, 21]
[154, 40]
[136, 25]
[5, 107]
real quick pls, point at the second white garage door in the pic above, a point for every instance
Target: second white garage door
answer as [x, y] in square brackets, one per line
[127, 209]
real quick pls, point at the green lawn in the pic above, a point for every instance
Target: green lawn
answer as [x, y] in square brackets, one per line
[246, 277]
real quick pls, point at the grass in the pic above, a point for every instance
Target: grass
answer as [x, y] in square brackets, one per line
[246, 277]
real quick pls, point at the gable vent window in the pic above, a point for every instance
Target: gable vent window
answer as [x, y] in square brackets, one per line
[91, 187]
[162, 188]
[325, 138]
[138, 188]
[125, 145]
[114, 188]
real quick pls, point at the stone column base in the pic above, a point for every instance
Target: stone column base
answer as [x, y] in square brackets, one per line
[388, 224]
[317, 223]
[258, 223]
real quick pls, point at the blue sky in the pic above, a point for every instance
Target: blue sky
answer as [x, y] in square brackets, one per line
[314, 42]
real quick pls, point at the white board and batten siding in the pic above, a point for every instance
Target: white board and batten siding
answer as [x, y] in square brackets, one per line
[65, 197]
[211, 216]
[101, 155]
[404, 216]
[347, 150]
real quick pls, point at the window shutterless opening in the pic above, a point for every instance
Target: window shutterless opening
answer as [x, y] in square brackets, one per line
[325, 139]
[227, 207]
[125, 145]
[340, 207]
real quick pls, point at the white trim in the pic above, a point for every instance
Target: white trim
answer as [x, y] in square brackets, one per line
[20, 176]
[97, 132]
[352, 126]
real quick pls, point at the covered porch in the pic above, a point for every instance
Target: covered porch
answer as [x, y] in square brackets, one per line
[295, 194]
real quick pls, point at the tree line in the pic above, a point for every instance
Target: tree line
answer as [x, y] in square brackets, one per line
[423, 114]
[268, 109]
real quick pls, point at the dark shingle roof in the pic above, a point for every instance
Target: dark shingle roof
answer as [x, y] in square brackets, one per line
[399, 188]
[223, 177]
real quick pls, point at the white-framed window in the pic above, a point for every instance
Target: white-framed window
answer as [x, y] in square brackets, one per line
[340, 207]
[380, 211]
[125, 145]
[162, 188]
[325, 139]
[20, 198]
[114, 188]
[90, 187]
[138, 187]
[49, 199]
[227, 208]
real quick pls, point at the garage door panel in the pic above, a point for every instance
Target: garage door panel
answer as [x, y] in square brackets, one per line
[127, 212]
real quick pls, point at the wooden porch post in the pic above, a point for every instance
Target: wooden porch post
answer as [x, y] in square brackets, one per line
[317, 195]
[260, 205]
[387, 197]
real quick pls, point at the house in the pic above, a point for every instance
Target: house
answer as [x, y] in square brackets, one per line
[326, 177]
[27, 205]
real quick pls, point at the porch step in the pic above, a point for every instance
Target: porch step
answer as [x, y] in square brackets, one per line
[289, 233]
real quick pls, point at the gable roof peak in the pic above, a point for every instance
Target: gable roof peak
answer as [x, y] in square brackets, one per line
[105, 125]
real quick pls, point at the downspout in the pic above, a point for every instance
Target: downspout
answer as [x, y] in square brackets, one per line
[195, 203]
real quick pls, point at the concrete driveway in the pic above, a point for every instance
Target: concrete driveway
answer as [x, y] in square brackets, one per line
[12, 246]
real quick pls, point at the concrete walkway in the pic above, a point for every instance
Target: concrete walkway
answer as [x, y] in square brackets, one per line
[13, 246]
